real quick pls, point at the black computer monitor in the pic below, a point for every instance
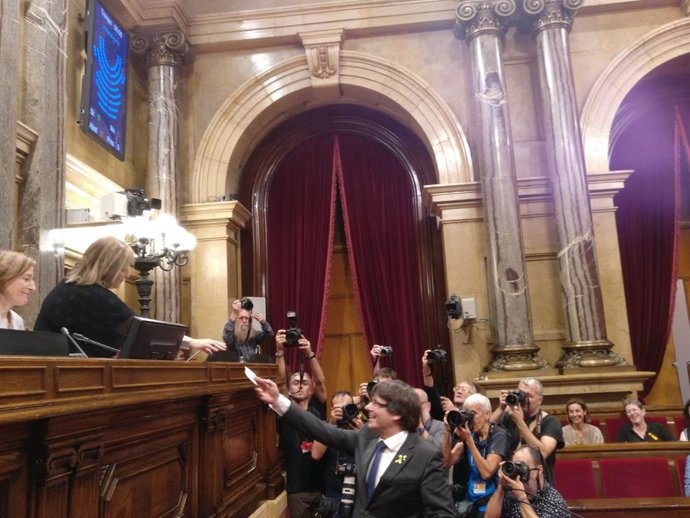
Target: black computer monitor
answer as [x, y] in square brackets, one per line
[32, 343]
[149, 339]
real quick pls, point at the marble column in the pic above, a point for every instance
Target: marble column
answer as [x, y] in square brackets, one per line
[586, 343]
[482, 25]
[41, 197]
[9, 52]
[165, 52]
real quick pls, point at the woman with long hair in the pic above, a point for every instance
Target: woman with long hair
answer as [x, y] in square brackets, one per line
[16, 286]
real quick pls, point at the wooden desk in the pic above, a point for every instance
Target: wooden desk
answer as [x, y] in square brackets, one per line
[88, 438]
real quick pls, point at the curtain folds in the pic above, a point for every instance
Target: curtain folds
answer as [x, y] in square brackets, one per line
[300, 219]
[379, 216]
[648, 229]
[378, 207]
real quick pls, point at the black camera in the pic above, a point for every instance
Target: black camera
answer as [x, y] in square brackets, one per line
[515, 398]
[437, 355]
[292, 333]
[346, 469]
[515, 470]
[454, 307]
[350, 413]
[371, 386]
[386, 351]
[456, 418]
[137, 203]
[246, 303]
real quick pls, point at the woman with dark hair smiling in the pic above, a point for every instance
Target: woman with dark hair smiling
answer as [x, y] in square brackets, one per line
[580, 430]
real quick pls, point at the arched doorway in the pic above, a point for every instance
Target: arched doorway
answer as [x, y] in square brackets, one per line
[345, 358]
[644, 138]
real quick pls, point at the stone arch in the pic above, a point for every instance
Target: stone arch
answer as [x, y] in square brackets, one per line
[286, 89]
[614, 83]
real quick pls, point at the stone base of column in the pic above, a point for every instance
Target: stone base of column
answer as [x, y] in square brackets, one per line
[595, 353]
[516, 358]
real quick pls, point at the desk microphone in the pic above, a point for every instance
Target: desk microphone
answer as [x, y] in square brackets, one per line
[84, 339]
[81, 352]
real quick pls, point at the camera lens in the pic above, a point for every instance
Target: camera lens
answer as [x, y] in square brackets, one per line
[515, 469]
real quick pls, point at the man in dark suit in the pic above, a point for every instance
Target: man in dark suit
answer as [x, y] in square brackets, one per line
[398, 473]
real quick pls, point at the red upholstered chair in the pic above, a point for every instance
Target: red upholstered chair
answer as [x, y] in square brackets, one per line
[681, 424]
[613, 424]
[636, 478]
[680, 471]
[575, 478]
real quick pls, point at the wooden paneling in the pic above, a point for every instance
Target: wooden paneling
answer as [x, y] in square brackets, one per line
[87, 438]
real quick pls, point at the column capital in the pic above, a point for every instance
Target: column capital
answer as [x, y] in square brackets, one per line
[162, 46]
[476, 17]
[549, 14]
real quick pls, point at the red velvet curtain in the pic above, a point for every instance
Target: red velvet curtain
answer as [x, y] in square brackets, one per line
[648, 226]
[379, 213]
[300, 217]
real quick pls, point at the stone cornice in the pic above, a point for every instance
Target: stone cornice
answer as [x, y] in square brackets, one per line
[259, 27]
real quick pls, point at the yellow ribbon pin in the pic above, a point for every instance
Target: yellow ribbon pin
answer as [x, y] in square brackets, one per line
[401, 459]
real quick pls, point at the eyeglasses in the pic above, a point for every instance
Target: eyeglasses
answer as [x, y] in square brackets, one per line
[378, 404]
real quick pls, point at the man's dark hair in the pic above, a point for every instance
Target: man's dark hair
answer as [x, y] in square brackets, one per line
[534, 453]
[402, 400]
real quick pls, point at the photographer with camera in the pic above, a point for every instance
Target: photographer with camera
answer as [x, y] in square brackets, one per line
[523, 491]
[304, 473]
[242, 340]
[470, 435]
[521, 414]
[339, 466]
[430, 429]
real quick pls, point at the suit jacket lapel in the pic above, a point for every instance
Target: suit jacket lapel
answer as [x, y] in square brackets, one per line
[402, 457]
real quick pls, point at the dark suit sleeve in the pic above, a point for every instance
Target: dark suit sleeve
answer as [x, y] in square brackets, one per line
[435, 492]
[436, 409]
[330, 435]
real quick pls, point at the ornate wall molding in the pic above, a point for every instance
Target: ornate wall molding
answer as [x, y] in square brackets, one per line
[477, 17]
[323, 56]
[614, 83]
[249, 114]
[161, 47]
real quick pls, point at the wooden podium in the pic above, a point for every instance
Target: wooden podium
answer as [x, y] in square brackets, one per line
[94, 438]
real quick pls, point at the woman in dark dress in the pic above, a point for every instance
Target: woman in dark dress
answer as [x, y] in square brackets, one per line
[84, 303]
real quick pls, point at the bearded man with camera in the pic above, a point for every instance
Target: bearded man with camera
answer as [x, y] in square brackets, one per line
[522, 490]
[521, 414]
[470, 435]
[242, 340]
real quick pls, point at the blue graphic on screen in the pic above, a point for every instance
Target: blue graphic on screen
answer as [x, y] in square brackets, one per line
[108, 80]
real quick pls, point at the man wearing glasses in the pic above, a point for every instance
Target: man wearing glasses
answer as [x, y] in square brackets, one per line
[523, 492]
[398, 473]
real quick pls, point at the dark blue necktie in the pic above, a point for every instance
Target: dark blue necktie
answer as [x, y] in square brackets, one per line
[374, 468]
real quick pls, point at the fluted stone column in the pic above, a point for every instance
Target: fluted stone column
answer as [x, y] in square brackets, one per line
[165, 51]
[587, 344]
[9, 52]
[481, 24]
[42, 199]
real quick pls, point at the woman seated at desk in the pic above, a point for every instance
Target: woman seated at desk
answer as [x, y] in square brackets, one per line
[84, 303]
[638, 430]
[16, 286]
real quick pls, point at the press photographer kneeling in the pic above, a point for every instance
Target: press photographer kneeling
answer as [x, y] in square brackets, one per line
[339, 468]
[523, 491]
[470, 433]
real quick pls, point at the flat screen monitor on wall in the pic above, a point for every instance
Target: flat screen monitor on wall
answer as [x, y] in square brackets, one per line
[103, 113]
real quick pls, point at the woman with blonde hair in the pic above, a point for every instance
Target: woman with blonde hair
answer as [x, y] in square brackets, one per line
[16, 286]
[580, 430]
[84, 303]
